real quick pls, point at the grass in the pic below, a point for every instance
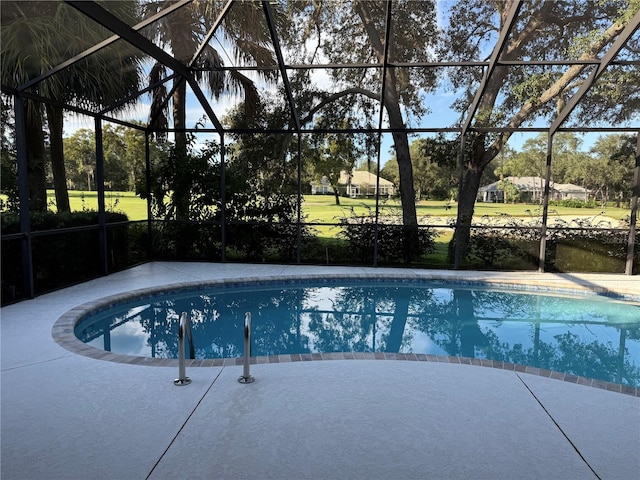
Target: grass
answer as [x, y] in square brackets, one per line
[322, 208]
[124, 202]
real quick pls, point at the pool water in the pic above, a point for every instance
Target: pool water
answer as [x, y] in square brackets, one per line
[590, 336]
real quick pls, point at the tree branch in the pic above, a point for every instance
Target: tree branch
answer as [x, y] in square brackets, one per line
[327, 99]
[362, 8]
[554, 90]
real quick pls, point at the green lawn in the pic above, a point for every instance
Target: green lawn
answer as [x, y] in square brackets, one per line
[125, 202]
[322, 208]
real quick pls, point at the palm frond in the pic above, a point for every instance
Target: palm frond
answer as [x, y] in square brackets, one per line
[211, 64]
[159, 111]
[38, 36]
[239, 82]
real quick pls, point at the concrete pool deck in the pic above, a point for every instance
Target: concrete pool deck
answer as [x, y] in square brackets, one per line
[68, 416]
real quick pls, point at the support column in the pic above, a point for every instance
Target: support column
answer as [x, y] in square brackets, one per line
[545, 206]
[376, 228]
[456, 248]
[634, 211]
[147, 163]
[299, 223]
[102, 222]
[23, 194]
[223, 201]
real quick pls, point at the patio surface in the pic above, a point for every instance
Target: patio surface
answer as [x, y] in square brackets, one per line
[69, 416]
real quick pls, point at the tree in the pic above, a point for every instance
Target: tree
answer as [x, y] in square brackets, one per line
[8, 165]
[569, 159]
[354, 31]
[80, 156]
[37, 36]
[336, 153]
[515, 96]
[511, 192]
[183, 32]
[434, 167]
[616, 154]
[263, 160]
[530, 161]
[124, 156]
[135, 153]
[258, 205]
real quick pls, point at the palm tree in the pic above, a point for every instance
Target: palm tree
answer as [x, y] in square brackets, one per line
[183, 32]
[36, 37]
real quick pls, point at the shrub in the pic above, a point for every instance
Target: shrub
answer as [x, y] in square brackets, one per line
[261, 240]
[573, 203]
[51, 220]
[503, 241]
[361, 233]
[62, 257]
[578, 245]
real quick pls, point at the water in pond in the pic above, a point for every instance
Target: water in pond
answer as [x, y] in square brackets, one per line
[588, 336]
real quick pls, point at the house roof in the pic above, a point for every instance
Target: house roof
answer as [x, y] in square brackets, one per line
[360, 177]
[529, 184]
[524, 184]
[569, 187]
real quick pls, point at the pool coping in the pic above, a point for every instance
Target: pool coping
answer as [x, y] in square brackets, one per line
[63, 329]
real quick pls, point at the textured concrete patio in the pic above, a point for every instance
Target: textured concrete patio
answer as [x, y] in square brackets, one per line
[69, 416]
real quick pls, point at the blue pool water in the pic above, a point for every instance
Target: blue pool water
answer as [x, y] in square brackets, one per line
[590, 336]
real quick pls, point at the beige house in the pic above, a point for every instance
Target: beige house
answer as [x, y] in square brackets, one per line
[358, 183]
[363, 184]
[532, 190]
[531, 187]
[569, 191]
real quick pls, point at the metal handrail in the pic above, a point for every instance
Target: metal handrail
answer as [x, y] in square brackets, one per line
[246, 376]
[189, 335]
[184, 330]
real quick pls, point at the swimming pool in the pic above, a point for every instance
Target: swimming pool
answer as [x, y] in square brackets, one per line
[582, 335]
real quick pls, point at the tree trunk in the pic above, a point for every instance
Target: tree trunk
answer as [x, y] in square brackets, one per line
[181, 194]
[182, 174]
[410, 244]
[396, 331]
[336, 193]
[470, 334]
[466, 204]
[35, 152]
[55, 120]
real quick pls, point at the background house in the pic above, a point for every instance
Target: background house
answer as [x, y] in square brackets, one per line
[323, 187]
[569, 191]
[532, 190]
[490, 194]
[358, 183]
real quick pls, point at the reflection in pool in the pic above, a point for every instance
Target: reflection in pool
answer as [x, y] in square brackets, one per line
[589, 336]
